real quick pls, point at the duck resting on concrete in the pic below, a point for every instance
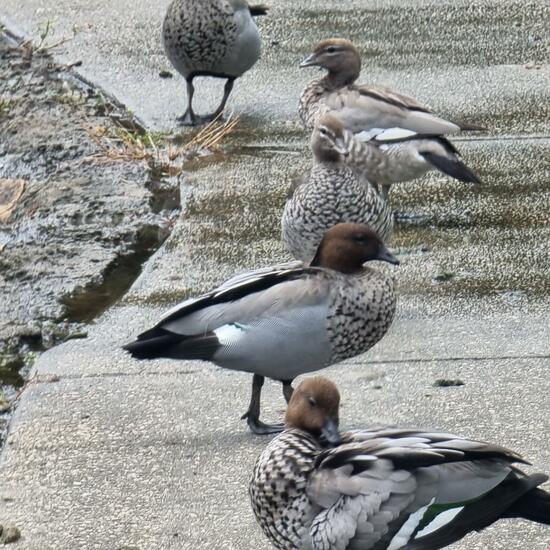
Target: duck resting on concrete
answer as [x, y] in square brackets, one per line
[216, 38]
[314, 488]
[361, 107]
[281, 323]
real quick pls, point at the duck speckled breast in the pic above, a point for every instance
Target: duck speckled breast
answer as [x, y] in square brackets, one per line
[278, 489]
[363, 307]
[197, 34]
[309, 108]
[328, 197]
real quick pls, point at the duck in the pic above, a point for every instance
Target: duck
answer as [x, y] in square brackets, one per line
[397, 155]
[362, 107]
[330, 193]
[281, 323]
[382, 488]
[217, 38]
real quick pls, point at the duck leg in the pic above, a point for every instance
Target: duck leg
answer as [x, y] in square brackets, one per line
[226, 91]
[252, 415]
[288, 390]
[189, 118]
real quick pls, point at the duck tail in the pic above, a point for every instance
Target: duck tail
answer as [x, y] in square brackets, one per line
[156, 343]
[534, 505]
[258, 9]
[452, 167]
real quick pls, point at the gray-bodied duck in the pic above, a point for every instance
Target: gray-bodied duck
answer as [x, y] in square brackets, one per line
[281, 323]
[314, 488]
[359, 106]
[216, 38]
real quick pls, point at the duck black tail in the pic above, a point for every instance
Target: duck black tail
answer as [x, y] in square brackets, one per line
[534, 506]
[258, 9]
[158, 343]
[454, 168]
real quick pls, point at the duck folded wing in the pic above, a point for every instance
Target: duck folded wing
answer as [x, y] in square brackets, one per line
[384, 488]
[249, 297]
[366, 107]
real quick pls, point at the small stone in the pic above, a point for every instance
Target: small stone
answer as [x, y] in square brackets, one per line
[446, 383]
[10, 534]
[166, 74]
[443, 277]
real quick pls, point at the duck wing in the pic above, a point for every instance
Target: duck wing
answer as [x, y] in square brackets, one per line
[390, 488]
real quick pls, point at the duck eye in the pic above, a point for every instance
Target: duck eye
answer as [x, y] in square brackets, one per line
[331, 49]
[323, 130]
[312, 401]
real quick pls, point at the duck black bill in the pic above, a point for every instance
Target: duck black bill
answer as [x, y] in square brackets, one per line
[386, 256]
[330, 431]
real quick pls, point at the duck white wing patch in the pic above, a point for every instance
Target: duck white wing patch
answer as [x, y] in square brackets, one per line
[392, 134]
[440, 520]
[404, 534]
[367, 135]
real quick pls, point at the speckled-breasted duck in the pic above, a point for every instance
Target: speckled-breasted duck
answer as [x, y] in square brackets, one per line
[216, 38]
[330, 193]
[362, 107]
[397, 155]
[384, 488]
[284, 322]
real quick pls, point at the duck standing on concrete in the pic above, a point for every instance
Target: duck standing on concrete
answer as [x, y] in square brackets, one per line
[330, 193]
[284, 322]
[382, 489]
[216, 38]
[362, 107]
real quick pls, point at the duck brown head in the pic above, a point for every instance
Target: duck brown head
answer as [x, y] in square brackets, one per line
[339, 57]
[329, 140]
[347, 246]
[313, 408]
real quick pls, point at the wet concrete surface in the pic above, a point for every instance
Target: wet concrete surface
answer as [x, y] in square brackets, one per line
[451, 46]
[106, 452]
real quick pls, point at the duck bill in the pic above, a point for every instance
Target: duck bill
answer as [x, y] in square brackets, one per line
[330, 431]
[341, 149]
[309, 61]
[384, 255]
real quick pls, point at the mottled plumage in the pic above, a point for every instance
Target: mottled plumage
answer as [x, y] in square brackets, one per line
[330, 193]
[283, 322]
[398, 155]
[383, 488]
[361, 107]
[216, 38]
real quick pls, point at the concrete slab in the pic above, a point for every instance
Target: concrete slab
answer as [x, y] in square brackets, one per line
[118, 454]
[445, 53]
[162, 461]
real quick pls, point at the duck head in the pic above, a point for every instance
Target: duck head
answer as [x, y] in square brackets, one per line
[313, 408]
[339, 57]
[347, 246]
[329, 140]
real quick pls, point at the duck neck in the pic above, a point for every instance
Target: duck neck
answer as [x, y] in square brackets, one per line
[344, 76]
[331, 258]
[329, 157]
